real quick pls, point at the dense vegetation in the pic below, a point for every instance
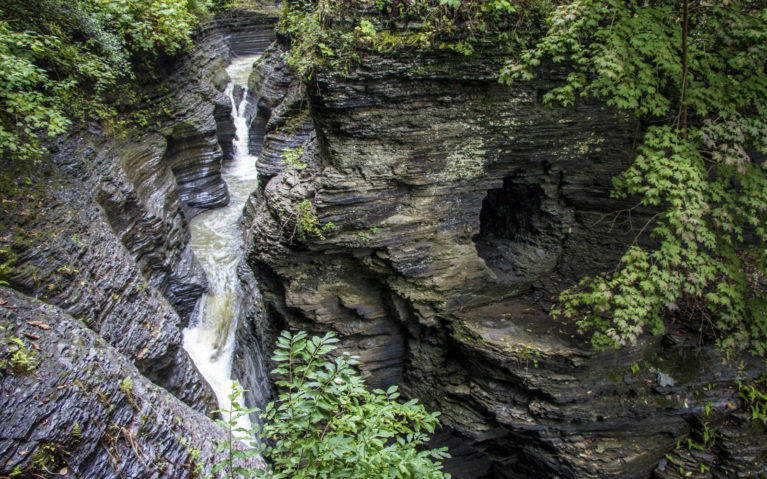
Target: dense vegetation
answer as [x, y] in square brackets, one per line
[336, 33]
[325, 423]
[692, 71]
[62, 59]
[695, 73]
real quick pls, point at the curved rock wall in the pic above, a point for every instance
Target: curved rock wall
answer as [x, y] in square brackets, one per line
[81, 409]
[460, 209]
[81, 237]
[245, 33]
[100, 230]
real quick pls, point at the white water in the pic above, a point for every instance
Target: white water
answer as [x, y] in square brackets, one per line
[217, 242]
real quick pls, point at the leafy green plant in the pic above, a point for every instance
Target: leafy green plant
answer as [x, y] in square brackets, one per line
[325, 423]
[304, 222]
[366, 236]
[59, 59]
[291, 158]
[47, 460]
[698, 75]
[754, 398]
[126, 385]
[233, 464]
[19, 358]
[447, 24]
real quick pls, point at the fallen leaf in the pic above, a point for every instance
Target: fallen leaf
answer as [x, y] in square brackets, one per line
[31, 336]
[36, 346]
[2, 301]
[23, 213]
[39, 324]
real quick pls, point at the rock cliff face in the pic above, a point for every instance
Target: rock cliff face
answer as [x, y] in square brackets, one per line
[73, 406]
[84, 237]
[460, 209]
[99, 232]
[245, 33]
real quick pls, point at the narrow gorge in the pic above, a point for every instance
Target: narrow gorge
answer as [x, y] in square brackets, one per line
[404, 200]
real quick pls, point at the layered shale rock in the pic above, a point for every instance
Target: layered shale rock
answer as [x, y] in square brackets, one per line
[73, 406]
[101, 229]
[460, 209]
[81, 235]
[245, 33]
[95, 248]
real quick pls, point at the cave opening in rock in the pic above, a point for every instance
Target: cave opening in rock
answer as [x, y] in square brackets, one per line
[509, 223]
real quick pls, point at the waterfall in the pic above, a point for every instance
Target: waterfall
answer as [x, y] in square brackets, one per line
[217, 242]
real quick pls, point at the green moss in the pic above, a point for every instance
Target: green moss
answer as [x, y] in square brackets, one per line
[467, 28]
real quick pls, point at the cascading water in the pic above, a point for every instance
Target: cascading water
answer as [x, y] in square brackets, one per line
[217, 242]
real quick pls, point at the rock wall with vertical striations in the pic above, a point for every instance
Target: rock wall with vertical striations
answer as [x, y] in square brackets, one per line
[460, 209]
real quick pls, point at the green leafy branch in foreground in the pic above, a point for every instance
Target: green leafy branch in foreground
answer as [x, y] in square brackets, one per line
[325, 423]
[698, 67]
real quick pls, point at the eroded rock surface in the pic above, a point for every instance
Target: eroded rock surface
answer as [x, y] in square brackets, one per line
[73, 406]
[94, 245]
[100, 229]
[81, 235]
[460, 209]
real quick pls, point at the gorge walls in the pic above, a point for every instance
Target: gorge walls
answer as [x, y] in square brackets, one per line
[101, 279]
[460, 208]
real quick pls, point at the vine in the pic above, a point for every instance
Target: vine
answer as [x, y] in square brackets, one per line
[700, 170]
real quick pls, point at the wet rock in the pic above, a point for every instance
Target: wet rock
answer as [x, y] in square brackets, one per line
[665, 380]
[249, 32]
[245, 33]
[109, 238]
[81, 409]
[461, 208]
[98, 250]
[100, 233]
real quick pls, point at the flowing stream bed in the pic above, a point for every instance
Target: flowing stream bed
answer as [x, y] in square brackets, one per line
[217, 242]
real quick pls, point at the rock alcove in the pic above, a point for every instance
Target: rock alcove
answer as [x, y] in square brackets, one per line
[515, 230]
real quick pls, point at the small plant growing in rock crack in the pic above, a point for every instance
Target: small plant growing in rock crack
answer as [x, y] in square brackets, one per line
[754, 399]
[325, 423]
[50, 459]
[126, 387]
[77, 431]
[365, 236]
[305, 222]
[291, 158]
[19, 358]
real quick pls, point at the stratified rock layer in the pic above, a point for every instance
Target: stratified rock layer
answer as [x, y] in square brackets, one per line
[79, 408]
[460, 208]
[99, 232]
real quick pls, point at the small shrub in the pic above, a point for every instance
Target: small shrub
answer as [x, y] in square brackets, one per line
[325, 423]
[126, 386]
[754, 398]
[305, 222]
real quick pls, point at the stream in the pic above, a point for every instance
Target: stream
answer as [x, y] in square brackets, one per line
[217, 242]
